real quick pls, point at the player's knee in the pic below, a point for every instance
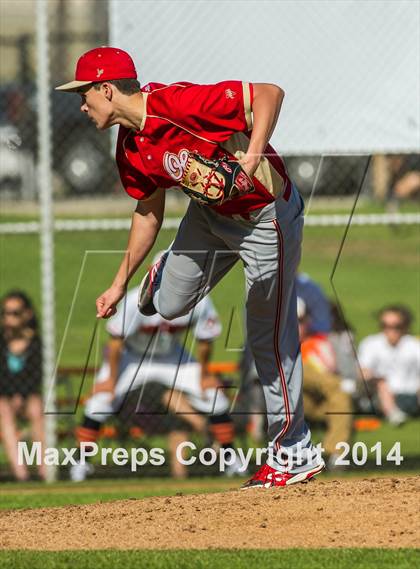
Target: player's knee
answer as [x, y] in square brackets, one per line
[168, 315]
[169, 310]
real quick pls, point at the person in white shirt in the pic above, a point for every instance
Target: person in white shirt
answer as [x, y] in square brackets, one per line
[146, 354]
[391, 359]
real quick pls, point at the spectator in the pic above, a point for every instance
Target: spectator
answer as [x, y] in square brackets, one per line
[323, 395]
[391, 361]
[317, 304]
[20, 377]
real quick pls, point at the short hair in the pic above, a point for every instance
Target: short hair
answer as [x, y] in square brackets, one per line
[125, 86]
[404, 312]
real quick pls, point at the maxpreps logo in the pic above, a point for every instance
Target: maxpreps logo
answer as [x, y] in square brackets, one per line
[174, 164]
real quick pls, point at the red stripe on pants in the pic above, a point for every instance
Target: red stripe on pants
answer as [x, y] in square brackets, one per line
[276, 335]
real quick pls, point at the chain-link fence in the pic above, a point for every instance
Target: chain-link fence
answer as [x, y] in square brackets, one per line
[82, 159]
[92, 213]
[81, 156]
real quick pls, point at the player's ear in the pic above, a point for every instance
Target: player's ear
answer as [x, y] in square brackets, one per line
[107, 90]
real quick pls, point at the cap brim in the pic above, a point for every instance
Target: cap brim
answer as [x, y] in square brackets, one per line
[73, 86]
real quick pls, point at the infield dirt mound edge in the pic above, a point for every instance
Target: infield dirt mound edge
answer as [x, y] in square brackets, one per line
[377, 512]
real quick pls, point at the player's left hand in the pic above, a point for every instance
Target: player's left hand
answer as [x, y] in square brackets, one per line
[250, 163]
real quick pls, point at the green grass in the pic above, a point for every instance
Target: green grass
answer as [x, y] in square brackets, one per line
[319, 205]
[38, 495]
[378, 265]
[214, 559]
[408, 435]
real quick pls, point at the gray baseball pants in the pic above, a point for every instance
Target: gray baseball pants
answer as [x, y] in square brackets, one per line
[206, 247]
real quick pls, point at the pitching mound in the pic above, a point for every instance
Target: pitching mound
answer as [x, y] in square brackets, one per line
[346, 513]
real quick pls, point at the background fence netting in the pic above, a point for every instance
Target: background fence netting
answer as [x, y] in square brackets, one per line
[349, 133]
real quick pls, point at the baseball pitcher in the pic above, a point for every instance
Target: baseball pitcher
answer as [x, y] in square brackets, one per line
[212, 142]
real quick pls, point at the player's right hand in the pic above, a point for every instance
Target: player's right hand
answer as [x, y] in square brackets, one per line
[249, 163]
[106, 304]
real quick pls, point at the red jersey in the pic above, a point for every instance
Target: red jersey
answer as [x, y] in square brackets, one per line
[210, 119]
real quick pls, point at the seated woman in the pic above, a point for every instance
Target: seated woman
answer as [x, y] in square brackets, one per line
[20, 377]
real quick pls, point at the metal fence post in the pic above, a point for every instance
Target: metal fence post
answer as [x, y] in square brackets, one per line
[46, 226]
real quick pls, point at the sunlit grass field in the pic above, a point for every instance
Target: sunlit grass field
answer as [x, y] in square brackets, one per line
[378, 265]
[213, 559]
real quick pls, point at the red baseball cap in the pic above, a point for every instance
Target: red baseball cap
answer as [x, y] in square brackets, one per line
[101, 64]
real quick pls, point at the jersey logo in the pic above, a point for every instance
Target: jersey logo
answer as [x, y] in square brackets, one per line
[174, 164]
[230, 94]
[99, 72]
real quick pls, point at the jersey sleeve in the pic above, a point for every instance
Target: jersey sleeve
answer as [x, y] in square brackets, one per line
[213, 112]
[207, 321]
[136, 184]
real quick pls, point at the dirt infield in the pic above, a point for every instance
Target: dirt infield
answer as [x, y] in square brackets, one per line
[377, 512]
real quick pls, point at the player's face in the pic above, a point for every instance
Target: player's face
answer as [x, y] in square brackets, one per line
[97, 106]
[393, 327]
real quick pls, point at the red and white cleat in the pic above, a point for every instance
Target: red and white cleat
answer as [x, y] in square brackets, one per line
[267, 477]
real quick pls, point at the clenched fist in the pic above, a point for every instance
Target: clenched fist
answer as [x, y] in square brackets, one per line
[106, 304]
